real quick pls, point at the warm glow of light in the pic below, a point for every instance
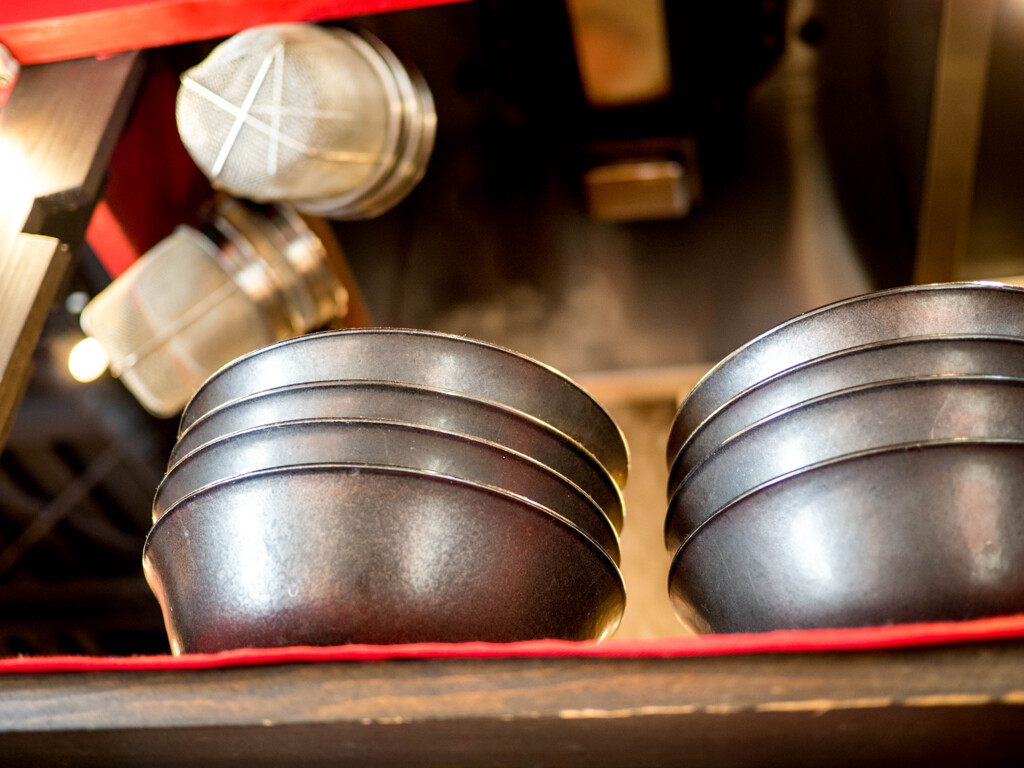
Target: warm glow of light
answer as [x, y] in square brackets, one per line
[87, 360]
[14, 169]
[1017, 280]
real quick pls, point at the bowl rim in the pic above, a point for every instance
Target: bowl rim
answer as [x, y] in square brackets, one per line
[943, 444]
[390, 331]
[860, 349]
[971, 285]
[189, 502]
[905, 382]
[491, 447]
[560, 437]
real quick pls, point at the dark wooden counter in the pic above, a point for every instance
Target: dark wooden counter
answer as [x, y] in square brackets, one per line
[958, 704]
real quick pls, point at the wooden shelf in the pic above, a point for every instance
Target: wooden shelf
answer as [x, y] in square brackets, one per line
[959, 704]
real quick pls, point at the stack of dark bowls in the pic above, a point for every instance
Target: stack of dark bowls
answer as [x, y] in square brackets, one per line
[388, 486]
[860, 464]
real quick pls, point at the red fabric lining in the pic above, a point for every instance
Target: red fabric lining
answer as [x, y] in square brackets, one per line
[791, 641]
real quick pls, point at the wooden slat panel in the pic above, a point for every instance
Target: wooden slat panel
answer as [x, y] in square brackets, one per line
[30, 273]
[57, 131]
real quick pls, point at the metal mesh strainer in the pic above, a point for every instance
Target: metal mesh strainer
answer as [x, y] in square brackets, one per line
[324, 119]
[198, 300]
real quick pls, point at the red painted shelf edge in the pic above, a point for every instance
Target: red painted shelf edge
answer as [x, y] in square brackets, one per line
[37, 33]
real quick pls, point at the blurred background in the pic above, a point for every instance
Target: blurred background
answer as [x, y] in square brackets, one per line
[625, 191]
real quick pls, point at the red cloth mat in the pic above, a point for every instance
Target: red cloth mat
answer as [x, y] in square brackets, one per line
[789, 641]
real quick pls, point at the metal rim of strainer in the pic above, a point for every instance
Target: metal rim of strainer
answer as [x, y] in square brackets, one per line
[412, 165]
[295, 295]
[310, 287]
[369, 47]
[313, 265]
[418, 128]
